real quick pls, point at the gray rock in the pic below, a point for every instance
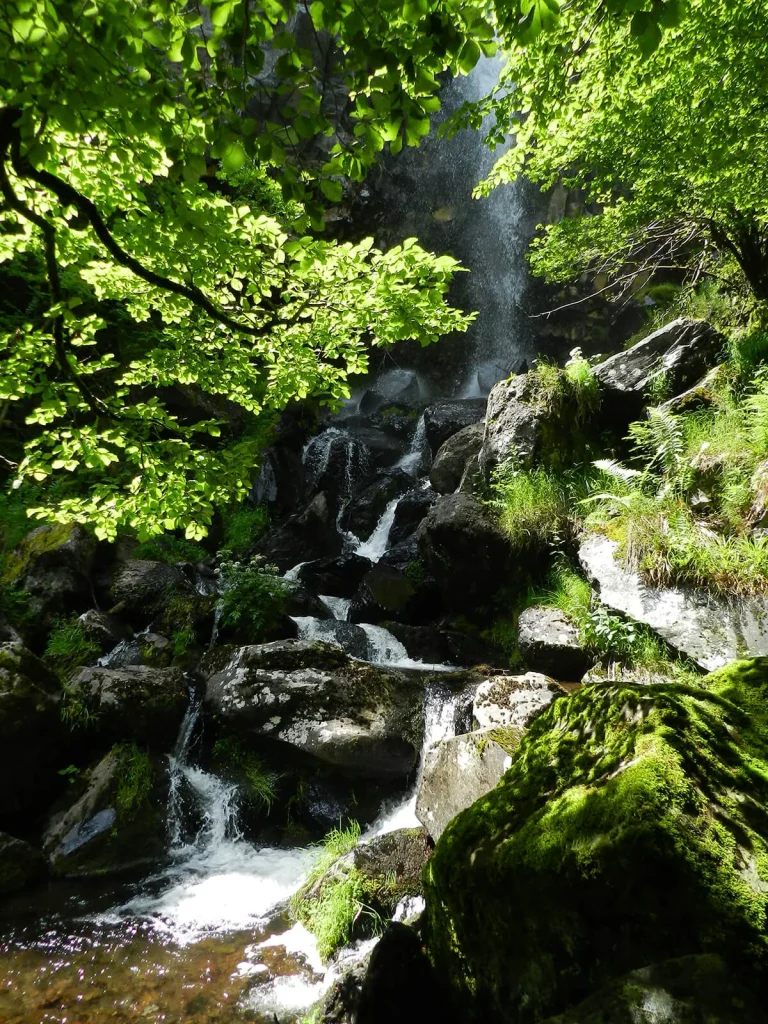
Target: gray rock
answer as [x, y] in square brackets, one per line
[385, 593]
[513, 425]
[314, 697]
[446, 418]
[389, 387]
[710, 630]
[309, 534]
[136, 702]
[454, 456]
[515, 701]
[549, 643]
[458, 771]
[147, 592]
[20, 864]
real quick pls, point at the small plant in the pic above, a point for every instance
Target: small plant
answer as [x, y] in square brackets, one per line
[69, 647]
[134, 774]
[416, 572]
[260, 784]
[582, 384]
[183, 641]
[253, 596]
[533, 506]
[70, 773]
[659, 388]
[76, 711]
[243, 526]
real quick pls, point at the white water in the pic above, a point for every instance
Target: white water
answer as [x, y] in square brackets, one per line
[418, 456]
[377, 543]
[338, 606]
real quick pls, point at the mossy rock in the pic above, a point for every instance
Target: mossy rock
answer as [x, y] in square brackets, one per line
[39, 542]
[630, 829]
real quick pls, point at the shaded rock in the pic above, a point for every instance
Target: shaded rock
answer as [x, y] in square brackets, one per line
[399, 420]
[513, 425]
[410, 511]
[386, 592]
[317, 699]
[334, 462]
[459, 770]
[514, 701]
[156, 650]
[32, 738]
[299, 600]
[454, 456]
[156, 593]
[363, 512]
[700, 395]
[103, 629]
[709, 629]
[385, 450]
[549, 643]
[391, 386]
[309, 534]
[339, 1005]
[445, 418]
[338, 577]
[136, 702]
[346, 635]
[117, 820]
[683, 350]
[20, 864]
[464, 550]
[440, 645]
[630, 829]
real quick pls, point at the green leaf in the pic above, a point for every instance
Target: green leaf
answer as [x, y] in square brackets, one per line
[331, 189]
[233, 157]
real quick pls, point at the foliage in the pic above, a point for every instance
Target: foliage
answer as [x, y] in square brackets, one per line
[183, 640]
[253, 595]
[533, 506]
[416, 571]
[243, 526]
[168, 548]
[70, 647]
[232, 754]
[134, 774]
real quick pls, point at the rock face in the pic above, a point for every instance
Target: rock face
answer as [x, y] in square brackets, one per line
[32, 738]
[459, 770]
[454, 456]
[309, 534]
[515, 701]
[136, 702]
[365, 509]
[549, 643]
[464, 550]
[438, 645]
[513, 425]
[20, 864]
[103, 629]
[117, 823]
[313, 696]
[623, 834]
[711, 630]
[386, 592]
[444, 419]
[684, 350]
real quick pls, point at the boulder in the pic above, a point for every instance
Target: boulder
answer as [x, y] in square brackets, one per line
[394, 386]
[349, 637]
[459, 770]
[309, 534]
[20, 864]
[316, 698]
[299, 600]
[364, 510]
[513, 425]
[334, 462]
[117, 818]
[385, 593]
[136, 702]
[454, 457]
[102, 629]
[709, 629]
[683, 350]
[337, 577]
[32, 738]
[410, 511]
[445, 646]
[549, 643]
[463, 548]
[445, 418]
[385, 450]
[513, 701]
[147, 592]
[628, 831]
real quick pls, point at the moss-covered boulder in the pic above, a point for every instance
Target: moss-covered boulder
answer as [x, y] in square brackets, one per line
[630, 829]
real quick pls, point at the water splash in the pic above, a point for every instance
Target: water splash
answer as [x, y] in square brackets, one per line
[338, 606]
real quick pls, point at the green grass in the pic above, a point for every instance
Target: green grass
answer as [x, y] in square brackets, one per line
[69, 647]
[232, 754]
[134, 770]
[533, 506]
[243, 526]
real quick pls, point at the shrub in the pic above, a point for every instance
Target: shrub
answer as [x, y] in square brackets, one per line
[70, 647]
[582, 384]
[253, 596]
[167, 548]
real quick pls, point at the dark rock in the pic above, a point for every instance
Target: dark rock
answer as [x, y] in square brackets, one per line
[339, 1005]
[398, 420]
[513, 426]
[156, 650]
[387, 593]
[300, 601]
[683, 350]
[346, 635]
[629, 830]
[464, 550]
[441, 645]
[549, 643]
[309, 534]
[319, 700]
[103, 629]
[454, 456]
[32, 738]
[338, 577]
[513, 701]
[117, 820]
[699, 396]
[410, 511]
[709, 629]
[136, 702]
[394, 386]
[446, 418]
[363, 512]
[459, 770]
[20, 864]
[385, 450]
[335, 461]
[162, 595]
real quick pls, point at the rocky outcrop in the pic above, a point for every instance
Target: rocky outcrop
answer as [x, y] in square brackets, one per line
[513, 425]
[309, 534]
[137, 702]
[444, 419]
[387, 593]
[317, 699]
[337, 577]
[459, 770]
[20, 864]
[454, 457]
[709, 629]
[104, 630]
[513, 701]
[464, 550]
[364, 510]
[629, 830]
[549, 643]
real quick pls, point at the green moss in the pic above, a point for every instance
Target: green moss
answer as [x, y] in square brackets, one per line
[630, 829]
[34, 545]
[170, 549]
[134, 781]
[243, 526]
[416, 572]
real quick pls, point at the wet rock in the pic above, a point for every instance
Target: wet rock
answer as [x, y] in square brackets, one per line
[454, 457]
[309, 534]
[410, 511]
[464, 550]
[319, 700]
[32, 738]
[339, 1006]
[334, 462]
[116, 820]
[301, 601]
[349, 637]
[162, 595]
[338, 577]
[514, 701]
[136, 702]
[513, 426]
[682, 350]
[103, 629]
[388, 593]
[20, 864]
[440, 645]
[399, 420]
[446, 418]
[710, 630]
[385, 450]
[628, 831]
[363, 512]
[549, 643]
[459, 770]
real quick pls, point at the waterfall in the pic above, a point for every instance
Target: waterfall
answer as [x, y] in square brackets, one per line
[338, 606]
[335, 451]
[418, 456]
[377, 543]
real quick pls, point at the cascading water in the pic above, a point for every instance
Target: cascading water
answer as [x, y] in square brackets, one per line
[377, 543]
[418, 456]
[338, 606]
[334, 452]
